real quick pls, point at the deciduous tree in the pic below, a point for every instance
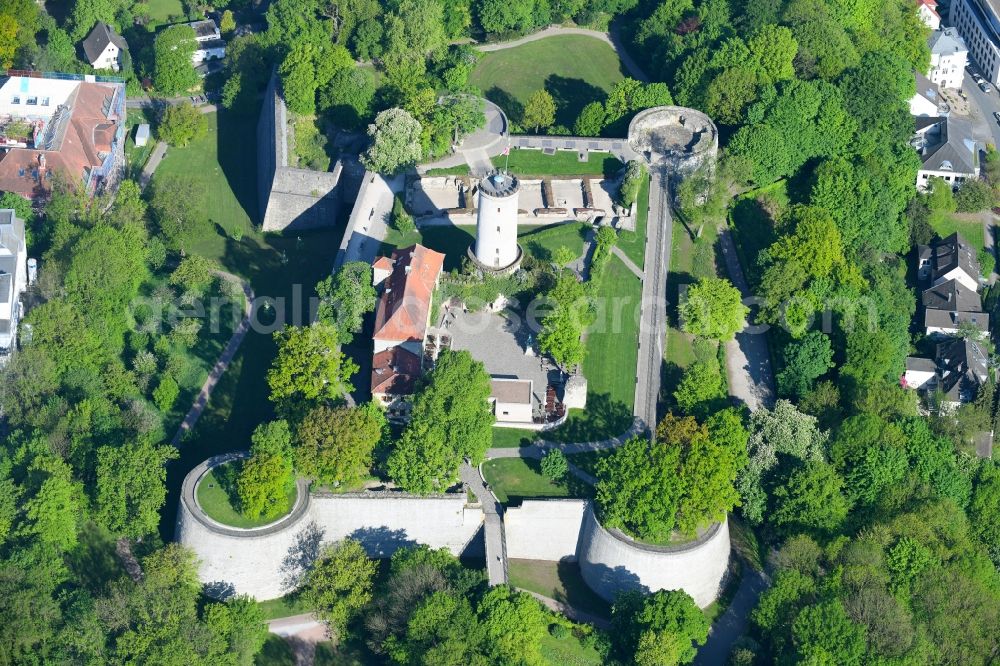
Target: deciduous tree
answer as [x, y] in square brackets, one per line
[395, 136]
[309, 367]
[539, 110]
[339, 584]
[713, 309]
[335, 445]
[130, 488]
[173, 71]
[346, 297]
[181, 124]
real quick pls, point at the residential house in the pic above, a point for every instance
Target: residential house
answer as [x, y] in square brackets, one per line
[949, 56]
[950, 306]
[13, 279]
[978, 23]
[947, 150]
[927, 11]
[946, 259]
[408, 279]
[210, 45]
[103, 47]
[928, 103]
[958, 370]
[71, 125]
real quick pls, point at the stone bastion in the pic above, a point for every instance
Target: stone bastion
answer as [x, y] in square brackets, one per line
[268, 562]
[680, 138]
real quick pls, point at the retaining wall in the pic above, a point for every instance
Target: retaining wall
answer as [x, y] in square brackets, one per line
[544, 529]
[290, 198]
[267, 562]
[610, 562]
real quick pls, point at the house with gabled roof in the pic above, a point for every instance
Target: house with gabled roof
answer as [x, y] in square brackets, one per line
[945, 259]
[103, 47]
[407, 279]
[947, 150]
[927, 11]
[958, 370]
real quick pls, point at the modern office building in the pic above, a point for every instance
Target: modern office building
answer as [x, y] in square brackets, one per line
[978, 22]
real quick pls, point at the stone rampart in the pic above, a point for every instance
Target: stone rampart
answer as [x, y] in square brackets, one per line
[544, 529]
[680, 138]
[268, 562]
[290, 198]
[611, 562]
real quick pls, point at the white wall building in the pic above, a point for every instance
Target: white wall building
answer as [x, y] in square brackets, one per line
[103, 47]
[496, 222]
[927, 11]
[927, 102]
[511, 399]
[949, 56]
[13, 279]
[948, 151]
[978, 22]
[210, 45]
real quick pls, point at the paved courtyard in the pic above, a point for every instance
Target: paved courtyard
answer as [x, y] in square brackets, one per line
[499, 340]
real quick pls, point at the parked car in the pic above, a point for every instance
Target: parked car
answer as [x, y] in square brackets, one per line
[996, 115]
[985, 87]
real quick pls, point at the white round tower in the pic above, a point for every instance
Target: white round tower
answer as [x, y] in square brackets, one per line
[496, 246]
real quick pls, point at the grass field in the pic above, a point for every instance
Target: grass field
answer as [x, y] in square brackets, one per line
[512, 438]
[216, 494]
[612, 343]
[635, 249]
[542, 242]
[569, 651]
[531, 163]
[286, 606]
[513, 479]
[161, 10]
[224, 163]
[574, 69]
[557, 580]
[969, 226]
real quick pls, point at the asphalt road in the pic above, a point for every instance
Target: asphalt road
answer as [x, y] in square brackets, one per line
[981, 108]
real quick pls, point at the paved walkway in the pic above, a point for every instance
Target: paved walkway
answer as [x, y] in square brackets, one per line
[638, 272]
[155, 157]
[748, 362]
[611, 39]
[302, 633]
[496, 544]
[220, 365]
[733, 623]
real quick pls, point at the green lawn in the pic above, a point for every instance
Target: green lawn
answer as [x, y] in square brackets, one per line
[542, 242]
[453, 241]
[969, 226]
[557, 580]
[574, 69]
[217, 497]
[635, 249]
[286, 606]
[513, 479]
[569, 651]
[136, 156]
[161, 10]
[512, 438]
[612, 343]
[224, 161]
[532, 163]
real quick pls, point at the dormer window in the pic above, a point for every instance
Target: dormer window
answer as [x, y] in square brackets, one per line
[16, 99]
[31, 101]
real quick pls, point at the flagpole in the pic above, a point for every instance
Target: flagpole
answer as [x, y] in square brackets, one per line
[506, 160]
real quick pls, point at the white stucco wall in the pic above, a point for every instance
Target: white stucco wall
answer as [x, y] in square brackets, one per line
[263, 562]
[496, 230]
[544, 529]
[609, 563]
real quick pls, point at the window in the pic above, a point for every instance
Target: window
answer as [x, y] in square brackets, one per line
[498, 229]
[498, 209]
[31, 101]
[45, 101]
[15, 100]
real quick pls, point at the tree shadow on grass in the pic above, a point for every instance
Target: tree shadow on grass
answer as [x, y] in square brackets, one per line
[571, 95]
[603, 418]
[506, 101]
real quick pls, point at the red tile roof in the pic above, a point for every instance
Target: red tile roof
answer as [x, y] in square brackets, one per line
[405, 303]
[395, 371]
[383, 263]
[89, 137]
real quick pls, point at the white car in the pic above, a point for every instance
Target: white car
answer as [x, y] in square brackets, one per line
[985, 87]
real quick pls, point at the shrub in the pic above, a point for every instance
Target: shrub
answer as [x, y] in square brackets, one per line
[973, 196]
[554, 465]
[987, 262]
[402, 221]
[165, 394]
[631, 182]
[181, 124]
[558, 631]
